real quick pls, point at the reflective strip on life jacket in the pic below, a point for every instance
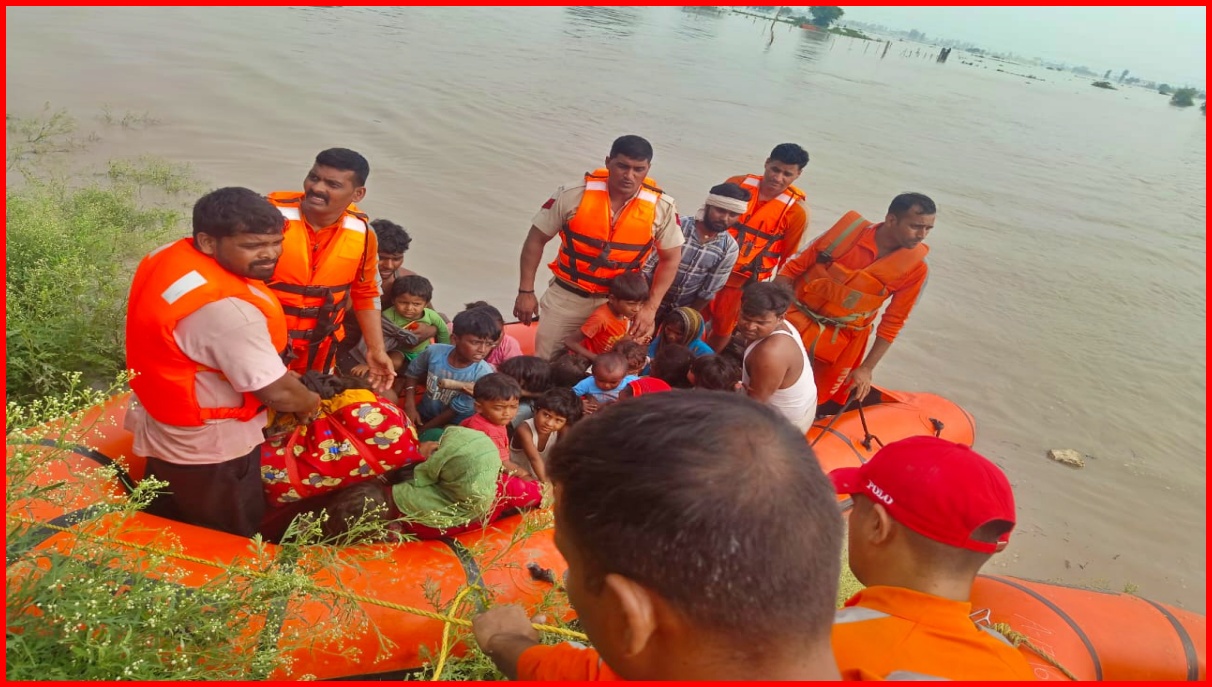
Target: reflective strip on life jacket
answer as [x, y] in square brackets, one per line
[171, 283]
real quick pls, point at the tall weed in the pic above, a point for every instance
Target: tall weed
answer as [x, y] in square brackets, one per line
[86, 606]
[72, 245]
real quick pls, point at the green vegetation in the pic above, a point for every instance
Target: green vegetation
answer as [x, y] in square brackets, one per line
[1183, 97]
[1104, 84]
[94, 608]
[128, 120]
[1165, 89]
[73, 241]
[43, 138]
[825, 16]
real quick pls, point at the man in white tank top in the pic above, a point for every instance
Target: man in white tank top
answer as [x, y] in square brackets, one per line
[776, 369]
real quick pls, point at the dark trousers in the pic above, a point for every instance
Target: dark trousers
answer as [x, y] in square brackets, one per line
[223, 496]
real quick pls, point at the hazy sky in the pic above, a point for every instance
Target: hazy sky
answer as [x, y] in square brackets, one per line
[1160, 43]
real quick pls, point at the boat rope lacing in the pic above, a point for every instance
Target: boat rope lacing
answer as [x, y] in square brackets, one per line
[447, 619]
[1019, 639]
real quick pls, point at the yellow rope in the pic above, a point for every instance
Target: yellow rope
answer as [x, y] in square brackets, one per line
[448, 620]
[1019, 639]
[445, 651]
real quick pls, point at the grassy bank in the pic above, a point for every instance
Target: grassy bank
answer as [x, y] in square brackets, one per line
[73, 239]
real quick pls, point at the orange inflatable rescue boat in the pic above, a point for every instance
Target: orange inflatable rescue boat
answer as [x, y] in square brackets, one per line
[1094, 635]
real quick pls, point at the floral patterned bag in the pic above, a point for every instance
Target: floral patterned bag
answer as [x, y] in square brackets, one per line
[356, 437]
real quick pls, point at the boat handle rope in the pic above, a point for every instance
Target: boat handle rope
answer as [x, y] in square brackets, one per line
[867, 435]
[836, 415]
[446, 620]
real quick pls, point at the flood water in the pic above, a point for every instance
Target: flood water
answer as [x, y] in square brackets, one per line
[1066, 301]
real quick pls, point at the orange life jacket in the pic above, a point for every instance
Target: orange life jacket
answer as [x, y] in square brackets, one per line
[314, 285]
[171, 283]
[759, 235]
[840, 297]
[594, 251]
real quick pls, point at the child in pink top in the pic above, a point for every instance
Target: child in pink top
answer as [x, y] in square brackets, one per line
[507, 346]
[496, 401]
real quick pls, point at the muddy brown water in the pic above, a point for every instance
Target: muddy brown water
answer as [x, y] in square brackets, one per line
[1066, 302]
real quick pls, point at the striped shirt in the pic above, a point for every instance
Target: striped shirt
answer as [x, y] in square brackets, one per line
[704, 268]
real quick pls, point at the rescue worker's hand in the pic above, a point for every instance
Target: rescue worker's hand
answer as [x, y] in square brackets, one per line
[644, 324]
[501, 622]
[861, 379]
[525, 307]
[382, 372]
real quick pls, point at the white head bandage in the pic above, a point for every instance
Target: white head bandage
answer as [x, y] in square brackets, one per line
[726, 203]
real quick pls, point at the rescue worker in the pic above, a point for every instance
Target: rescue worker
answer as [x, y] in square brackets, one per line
[686, 567]
[330, 264]
[203, 337]
[843, 279]
[767, 234]
[928, 514]
[608, 224]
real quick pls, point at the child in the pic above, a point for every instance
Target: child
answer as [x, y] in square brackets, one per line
[496, 402]
[554, 411]
[636, 354]
[393, 244]
[603, 386]
[610, 322]
[409, 294]
[462, 360]
[672, 364]
[568, 369]
[507, 347]
[533, 374]
[715, 373]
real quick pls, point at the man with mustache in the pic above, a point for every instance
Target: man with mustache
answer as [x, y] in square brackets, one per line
[708, 253]
[203, 337]
[843, 279]
[330, 265]
[608, 224]
[767, 234]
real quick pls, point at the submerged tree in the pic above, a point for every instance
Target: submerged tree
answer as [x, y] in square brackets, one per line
[1183, 97]
[824, 16]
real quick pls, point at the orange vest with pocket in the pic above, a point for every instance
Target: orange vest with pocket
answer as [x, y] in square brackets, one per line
[313, 285]
[172, 282]
[839, 298]
[593, 249]
[760, 235]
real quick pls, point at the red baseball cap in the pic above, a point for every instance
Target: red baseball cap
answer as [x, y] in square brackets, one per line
[938, 488]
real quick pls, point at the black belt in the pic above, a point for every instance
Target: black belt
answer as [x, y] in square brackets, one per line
[576, 290]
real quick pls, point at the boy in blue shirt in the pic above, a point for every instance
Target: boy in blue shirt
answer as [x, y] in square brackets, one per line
[602, 387]
[474, 333]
